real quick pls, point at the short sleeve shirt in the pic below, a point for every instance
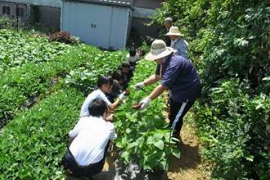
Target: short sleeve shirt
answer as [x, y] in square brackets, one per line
[97, 94]
[180, 76]
[91, 135]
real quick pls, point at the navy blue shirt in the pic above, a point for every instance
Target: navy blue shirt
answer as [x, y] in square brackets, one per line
[180, 76]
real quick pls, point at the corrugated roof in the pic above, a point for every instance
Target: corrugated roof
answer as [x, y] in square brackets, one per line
[110, 2]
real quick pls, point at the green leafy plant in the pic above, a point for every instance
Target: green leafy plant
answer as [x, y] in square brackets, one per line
[100, 64]
[33, 144]
[22, 85]
[18, 48]
[143, 135]
[229, 43]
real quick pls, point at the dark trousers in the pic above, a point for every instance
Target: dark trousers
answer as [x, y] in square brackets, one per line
[178, 109]
[76, 170]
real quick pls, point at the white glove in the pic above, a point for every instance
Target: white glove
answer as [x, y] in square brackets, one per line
[145, 102]
[122, 96]
[139, 85]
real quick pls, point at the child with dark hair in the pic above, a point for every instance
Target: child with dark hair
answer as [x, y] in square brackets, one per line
[89, 142]
[115, 91]
[118, 76]
[105, 84]
[127, 73]
[133, 57]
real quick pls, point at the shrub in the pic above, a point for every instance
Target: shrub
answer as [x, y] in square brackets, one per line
[63, 37]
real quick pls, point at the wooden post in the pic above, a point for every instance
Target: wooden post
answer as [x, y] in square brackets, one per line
[17, 17]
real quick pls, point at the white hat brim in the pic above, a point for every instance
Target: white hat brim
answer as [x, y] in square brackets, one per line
[174, 34]
[153, 57]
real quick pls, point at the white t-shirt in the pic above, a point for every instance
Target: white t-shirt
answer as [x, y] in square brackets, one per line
[91, 137]
[97, 94]
[133, 59]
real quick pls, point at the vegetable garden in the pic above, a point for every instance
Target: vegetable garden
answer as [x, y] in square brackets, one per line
[40, 102]
[43, 85]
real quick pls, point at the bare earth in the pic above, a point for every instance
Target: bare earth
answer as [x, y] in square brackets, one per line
[189, 166]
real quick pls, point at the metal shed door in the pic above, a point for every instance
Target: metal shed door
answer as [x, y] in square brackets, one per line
[89, 22]
[99, 25]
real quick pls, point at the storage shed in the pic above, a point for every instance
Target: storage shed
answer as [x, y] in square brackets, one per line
[101, 23]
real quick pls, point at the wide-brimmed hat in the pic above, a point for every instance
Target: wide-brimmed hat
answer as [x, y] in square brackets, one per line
[174, 31]
[168, 19]
[158, 50]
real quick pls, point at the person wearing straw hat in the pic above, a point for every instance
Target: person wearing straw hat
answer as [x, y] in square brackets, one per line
[168, 23]
[176, 74]
[177, 42]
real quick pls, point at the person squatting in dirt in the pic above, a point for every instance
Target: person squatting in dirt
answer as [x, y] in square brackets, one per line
[90, 139]
[123, 75]
[133, 57]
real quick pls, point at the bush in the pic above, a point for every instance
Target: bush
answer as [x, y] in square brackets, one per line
[229, 43]
[7, 23]
[238, 126]
[63, 37]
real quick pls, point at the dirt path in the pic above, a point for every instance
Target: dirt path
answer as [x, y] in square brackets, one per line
[189, 166]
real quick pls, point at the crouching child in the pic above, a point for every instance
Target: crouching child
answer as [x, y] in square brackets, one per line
[90, 140]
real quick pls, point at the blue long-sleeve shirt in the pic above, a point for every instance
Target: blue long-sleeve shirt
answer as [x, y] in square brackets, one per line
[181, 46]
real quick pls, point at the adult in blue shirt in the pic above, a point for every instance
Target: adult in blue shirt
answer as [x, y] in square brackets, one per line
[177, 74]
[178, 43]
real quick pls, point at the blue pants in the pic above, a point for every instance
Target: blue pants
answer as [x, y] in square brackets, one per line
[177, 112]
[70, 164]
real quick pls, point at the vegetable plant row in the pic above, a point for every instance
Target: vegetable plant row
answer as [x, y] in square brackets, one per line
[18, 48]
[19, 86]
[34, 142]
[101, 64]
[143, 135]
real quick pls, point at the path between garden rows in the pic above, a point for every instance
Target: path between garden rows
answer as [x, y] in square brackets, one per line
[188, 167]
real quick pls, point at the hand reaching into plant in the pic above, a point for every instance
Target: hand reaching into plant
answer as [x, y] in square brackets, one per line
[139, 85]
[122, 96]
[144, 103]
[110, 117]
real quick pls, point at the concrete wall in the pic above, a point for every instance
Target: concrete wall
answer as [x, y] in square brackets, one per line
[49, 16]
[143, 9]
[139, 25]
[23, 17]
[150, 4]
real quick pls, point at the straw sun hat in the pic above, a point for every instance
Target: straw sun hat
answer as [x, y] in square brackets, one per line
[174, 31]
[158, 50]
[168, 19]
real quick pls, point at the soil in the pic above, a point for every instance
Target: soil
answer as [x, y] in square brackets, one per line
[189, 166]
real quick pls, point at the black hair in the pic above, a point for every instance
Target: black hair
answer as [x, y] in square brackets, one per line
[115, 88]
[117, 75]
[125, 64]
[132, 52]
[104, 80]
[97, 107]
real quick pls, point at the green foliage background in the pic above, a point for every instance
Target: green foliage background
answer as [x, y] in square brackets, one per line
[230, 45]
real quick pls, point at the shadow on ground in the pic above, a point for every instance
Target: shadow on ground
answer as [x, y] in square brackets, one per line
[189, 158]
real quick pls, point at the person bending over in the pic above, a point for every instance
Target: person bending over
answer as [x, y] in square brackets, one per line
[176, 74]
[104, 84]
